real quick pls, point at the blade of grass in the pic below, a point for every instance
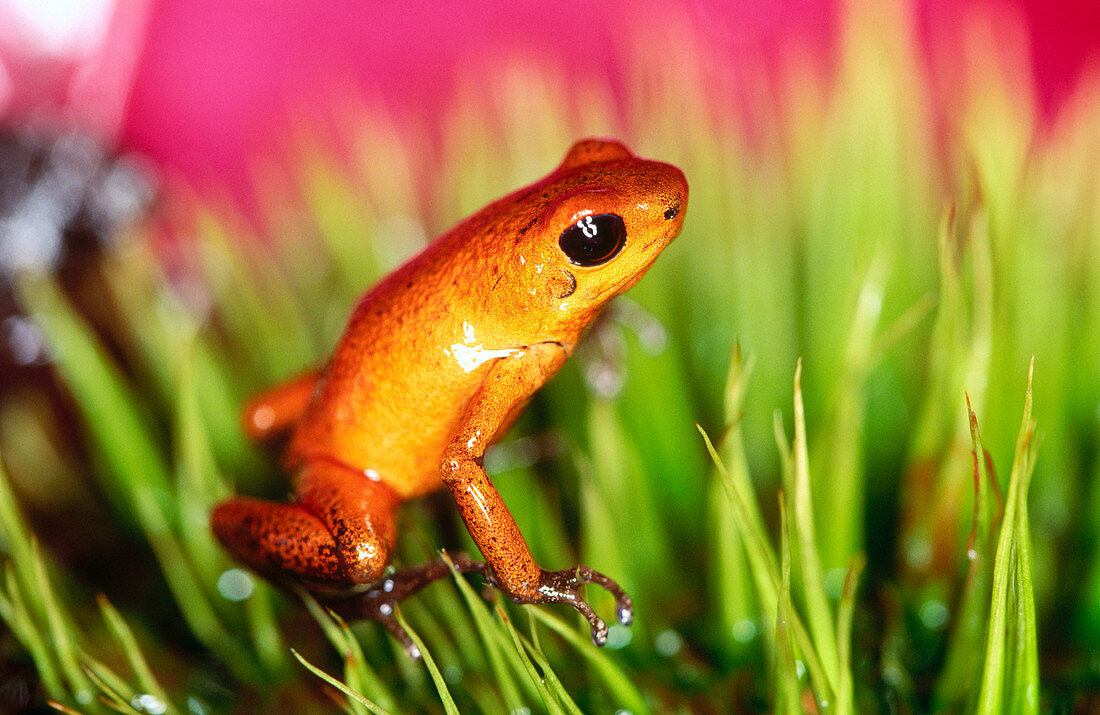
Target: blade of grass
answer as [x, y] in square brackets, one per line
[60, 629]
[198, 486]
[620, 478]
[992, 685]
[107, 695]
[622, 689]
[17, 535]
[841, 456]
[758, 549]
[1024, 675]
[490, 637]
[193, 602]
[246, 300]
[805, 537]
[551, 703]
[110, 409]
[359, 672]
[788, 695]
[111, 685]
[768, 581]
[337, 684]
[957, 675]
[845, 697]
[534, 650]
[440, 684]
[733, 574]
[264, 628]
[602, 547]
[13, 609]
[118, 628]
[355, 664]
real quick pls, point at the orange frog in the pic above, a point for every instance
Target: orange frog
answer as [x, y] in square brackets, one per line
[437, 361]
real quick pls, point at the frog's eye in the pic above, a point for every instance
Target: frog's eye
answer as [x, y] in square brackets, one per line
[594, 239]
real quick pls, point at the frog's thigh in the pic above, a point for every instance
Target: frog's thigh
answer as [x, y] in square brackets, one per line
[340, 532]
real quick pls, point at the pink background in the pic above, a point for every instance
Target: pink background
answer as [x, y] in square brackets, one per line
[209, 83]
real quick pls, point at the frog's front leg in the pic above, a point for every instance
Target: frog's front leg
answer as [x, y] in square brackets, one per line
[512, 568]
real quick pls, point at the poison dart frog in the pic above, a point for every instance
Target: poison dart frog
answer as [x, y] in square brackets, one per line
[436, 362]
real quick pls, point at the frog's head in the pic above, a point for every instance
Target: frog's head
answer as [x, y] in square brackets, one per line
[594, 226]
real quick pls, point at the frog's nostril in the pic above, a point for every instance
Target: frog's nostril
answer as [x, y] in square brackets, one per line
[672, 211]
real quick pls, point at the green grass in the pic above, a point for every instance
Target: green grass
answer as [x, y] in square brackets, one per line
[860, 284]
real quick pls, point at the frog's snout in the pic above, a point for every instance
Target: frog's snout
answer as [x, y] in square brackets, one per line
[675, 190]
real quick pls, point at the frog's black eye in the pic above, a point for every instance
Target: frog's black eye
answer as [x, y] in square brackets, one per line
[594, 239]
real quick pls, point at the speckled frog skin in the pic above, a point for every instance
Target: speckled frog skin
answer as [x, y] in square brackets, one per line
[437, 360]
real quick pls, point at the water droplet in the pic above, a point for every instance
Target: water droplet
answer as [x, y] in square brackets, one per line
[933, 614]
[236, 584]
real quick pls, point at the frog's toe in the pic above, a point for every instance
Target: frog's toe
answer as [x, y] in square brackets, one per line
[565, 587]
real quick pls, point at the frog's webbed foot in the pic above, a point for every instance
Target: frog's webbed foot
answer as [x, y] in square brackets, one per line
[379, 601]
[565, 587]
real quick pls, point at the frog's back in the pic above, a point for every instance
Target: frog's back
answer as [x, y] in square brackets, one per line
[389, 399]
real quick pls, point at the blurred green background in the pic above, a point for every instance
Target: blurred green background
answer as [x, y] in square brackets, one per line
[851, 554]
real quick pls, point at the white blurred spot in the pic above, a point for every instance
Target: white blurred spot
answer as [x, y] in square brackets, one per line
[618, 636]
[30, 240]
[603, 379]
[64, 26]
[24, 341]
[668, 642]
[933, 614]
[918, 553]
[744, 630]
[236, 584]
[144, 702]
[452, 674]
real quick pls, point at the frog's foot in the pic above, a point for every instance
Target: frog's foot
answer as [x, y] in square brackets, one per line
[565, 587]
[379, 601]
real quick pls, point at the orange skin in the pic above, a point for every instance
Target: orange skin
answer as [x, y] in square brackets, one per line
[437, 361]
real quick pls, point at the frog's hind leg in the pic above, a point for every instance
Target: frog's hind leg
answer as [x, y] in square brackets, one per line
[338, 534]
[276, 410]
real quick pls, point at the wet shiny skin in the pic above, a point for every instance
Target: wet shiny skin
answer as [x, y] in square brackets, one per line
[437, 361]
